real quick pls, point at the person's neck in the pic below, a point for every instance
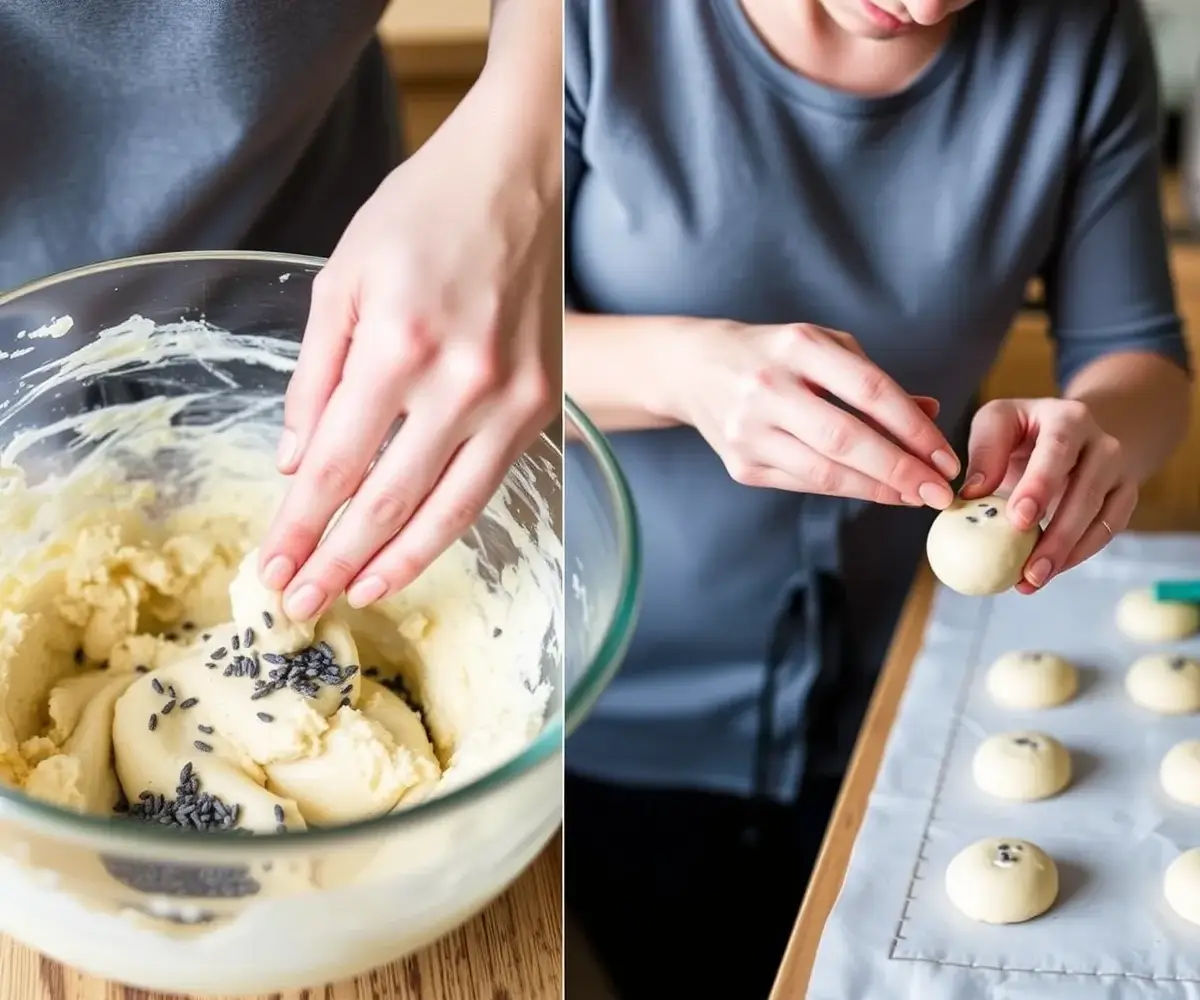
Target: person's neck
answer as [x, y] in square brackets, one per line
[805, 38]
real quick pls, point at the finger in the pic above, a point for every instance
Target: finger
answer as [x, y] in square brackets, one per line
[929, 406]
[846, 440]
[392, 491]
[1055, 452]
[459, 497]
[866, 387]
[354, 425]
[779, 458]
[1078, 508]
[1118, 508]
[996, 430]
[323, 351]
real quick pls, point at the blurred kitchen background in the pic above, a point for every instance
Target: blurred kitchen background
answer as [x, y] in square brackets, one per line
[436, 49]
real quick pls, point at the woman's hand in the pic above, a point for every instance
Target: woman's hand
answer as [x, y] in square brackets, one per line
[766, 399]
[1052, 459]
[441, 306]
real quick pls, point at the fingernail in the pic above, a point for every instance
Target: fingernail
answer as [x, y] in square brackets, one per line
[287, 449]
[911, 500]
[1026, 511]
[366, 591]
[304, 604]
[278, 573]
[945, 463]
[935, 494]
[1039, 572]
[974, 481]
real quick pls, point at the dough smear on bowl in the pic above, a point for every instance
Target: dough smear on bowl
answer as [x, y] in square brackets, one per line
[975, 549]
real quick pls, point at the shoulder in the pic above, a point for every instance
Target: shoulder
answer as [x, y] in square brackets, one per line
[624, 49]
[1080, 30]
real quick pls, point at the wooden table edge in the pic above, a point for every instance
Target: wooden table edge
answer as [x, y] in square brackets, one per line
[834, 856]
[791, 982]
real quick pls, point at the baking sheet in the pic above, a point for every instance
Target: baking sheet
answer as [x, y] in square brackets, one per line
[893, 932]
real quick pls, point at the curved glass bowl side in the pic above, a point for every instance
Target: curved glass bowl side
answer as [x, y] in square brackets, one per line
[610, 646]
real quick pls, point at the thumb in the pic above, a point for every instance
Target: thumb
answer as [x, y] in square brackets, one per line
[996, 430]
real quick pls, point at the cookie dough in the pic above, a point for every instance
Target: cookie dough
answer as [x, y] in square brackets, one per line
[1002, 880]
[975, 549]
[275, 719]
[1031, 680]
[1143, 618]
[153, 675]
[1179, 772]
[1181, 885]
[1165, 683]
[1022, 765]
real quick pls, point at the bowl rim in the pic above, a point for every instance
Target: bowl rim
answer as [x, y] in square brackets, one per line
[15, 806]
[619, 631]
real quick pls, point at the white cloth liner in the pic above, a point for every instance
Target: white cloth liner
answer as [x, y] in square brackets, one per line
[893, 932]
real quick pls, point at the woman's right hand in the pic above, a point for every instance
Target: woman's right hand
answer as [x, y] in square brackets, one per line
[761, 396]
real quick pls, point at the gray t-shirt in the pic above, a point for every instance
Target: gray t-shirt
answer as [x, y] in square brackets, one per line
[707, 179]
[129, 127]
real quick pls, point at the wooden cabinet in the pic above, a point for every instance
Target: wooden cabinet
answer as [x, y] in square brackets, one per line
[436, 49]
[1025, 368]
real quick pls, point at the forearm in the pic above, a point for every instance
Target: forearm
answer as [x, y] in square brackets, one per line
[519, 92]
[1142, 400]
[616, 368]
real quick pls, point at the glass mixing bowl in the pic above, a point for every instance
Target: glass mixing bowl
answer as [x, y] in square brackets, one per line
[603, 565]
[173, 911]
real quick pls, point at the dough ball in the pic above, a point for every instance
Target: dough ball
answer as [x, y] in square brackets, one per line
[1025, 680]
[1181, 885]
[1022, 765]
[1143, 618]
[973, 547]
[1002, 880]
[1165, 683]
[1180, 772]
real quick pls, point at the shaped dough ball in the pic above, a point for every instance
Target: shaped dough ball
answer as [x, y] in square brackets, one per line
[1023, 766]
[1143, 618]
[1165, 683]
[1181, 885]
[1002, 880]
[1180, 772]
[1025, 680]
[973, 547]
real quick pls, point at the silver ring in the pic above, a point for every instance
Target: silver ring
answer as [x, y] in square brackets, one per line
[1107, 527]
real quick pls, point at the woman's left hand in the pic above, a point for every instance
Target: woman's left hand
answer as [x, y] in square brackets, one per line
[441, 306]
[1052, 460]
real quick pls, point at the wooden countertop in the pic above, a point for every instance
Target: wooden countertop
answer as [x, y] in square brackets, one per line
[834, 858]
[511, 951]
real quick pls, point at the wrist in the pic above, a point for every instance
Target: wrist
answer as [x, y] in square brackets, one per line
[514, 108]
[676, 348]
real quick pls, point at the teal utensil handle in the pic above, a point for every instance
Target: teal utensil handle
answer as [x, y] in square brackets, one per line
[1187, 591]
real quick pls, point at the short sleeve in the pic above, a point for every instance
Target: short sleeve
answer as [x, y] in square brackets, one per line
[576, 81]
[1108, 283]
